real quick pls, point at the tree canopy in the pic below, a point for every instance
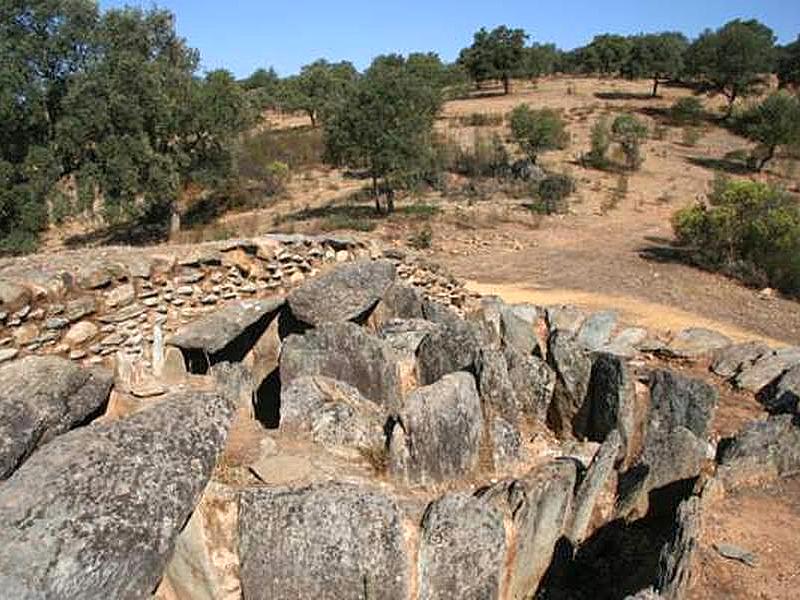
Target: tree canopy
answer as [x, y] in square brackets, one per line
[773, 122]
[318, 86]
[103, 106]
[497, 54]
[733, 59]
[385, 124]
[789, 64]
[658, 56]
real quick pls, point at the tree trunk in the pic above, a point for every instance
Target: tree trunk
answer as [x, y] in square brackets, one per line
[507, 84]
[655, 86]
[313, 116]
[376, 195]
[174, 221]
[729, 111]
[770, 155]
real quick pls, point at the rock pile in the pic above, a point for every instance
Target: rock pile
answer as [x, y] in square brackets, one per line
[356, 435]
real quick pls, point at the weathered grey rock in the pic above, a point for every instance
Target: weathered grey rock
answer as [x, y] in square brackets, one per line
[334, 412]
[343, 294]
[437, 435]
[227, 334]
[96, 512]
[494, 384]
[518, 333]
[453, 347]
[205, 563]
[568, 413]
[405, 335]
[761, 451]
[590, 488]
[462, 549]
[506, 442]
[399, 302]
[696, 342]
[767, 369]
[536, 506]
[121, 296]
[93, 276]
[80, 308]
[783, 396]
[13, 295]
[346, 352]
[534, 383]
[729, 361]
[612, 399]
[126, 314]
[680, 401]
[596, 330]
[326, 541]
[736, 553]
[80, 333]
[676, 560]
[43, 397]
[565, 318]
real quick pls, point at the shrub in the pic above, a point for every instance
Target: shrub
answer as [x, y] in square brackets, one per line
[422, 239]
[630, 132]
[486, 157]
[601, 142]
[747, 229]
[687, 111]
[691, 135]
[478, 119]
[553, 192]
[538, 130]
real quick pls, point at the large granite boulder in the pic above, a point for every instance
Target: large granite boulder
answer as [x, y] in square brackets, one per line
[596, 330]
[436, 437]
[569, 411]
[534, 383]
[612, 399]
[676, 439]
[763, 450]
[677, 557]
[95, 513]
[767, 369]
[347, 293]
[348, 353]
[43, 397]
[462, 549]
[335, 413]
[452, 347]
[225, 335]
[696, 342]
[728, 362]
[536, 508]
[783, 396]
[494, 384]
[326, 541]
[590, 488]
[398, 302]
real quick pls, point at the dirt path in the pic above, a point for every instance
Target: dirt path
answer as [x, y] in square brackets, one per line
[632, 310]
[598, 262]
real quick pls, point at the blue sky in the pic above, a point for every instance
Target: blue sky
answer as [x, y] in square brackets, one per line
[247, 34]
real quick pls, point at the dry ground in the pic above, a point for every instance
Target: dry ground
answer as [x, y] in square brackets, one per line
[604, 254]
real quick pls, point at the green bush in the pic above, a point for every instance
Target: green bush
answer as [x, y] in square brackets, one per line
[601, 142]
[553, 192]
[687, 111]
[486, 157]
[629, 132]
[747, 229]
[538, 130]
[478, 119]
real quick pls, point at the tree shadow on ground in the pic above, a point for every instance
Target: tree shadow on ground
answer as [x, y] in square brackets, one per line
[664, 250]
[725, 165]
[624, 96]
[134, 233]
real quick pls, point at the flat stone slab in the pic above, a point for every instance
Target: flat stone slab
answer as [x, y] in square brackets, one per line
[216, 331]
[43, 397]
[696, 342]
[95, 513]
[343, 294]
[325, 541]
